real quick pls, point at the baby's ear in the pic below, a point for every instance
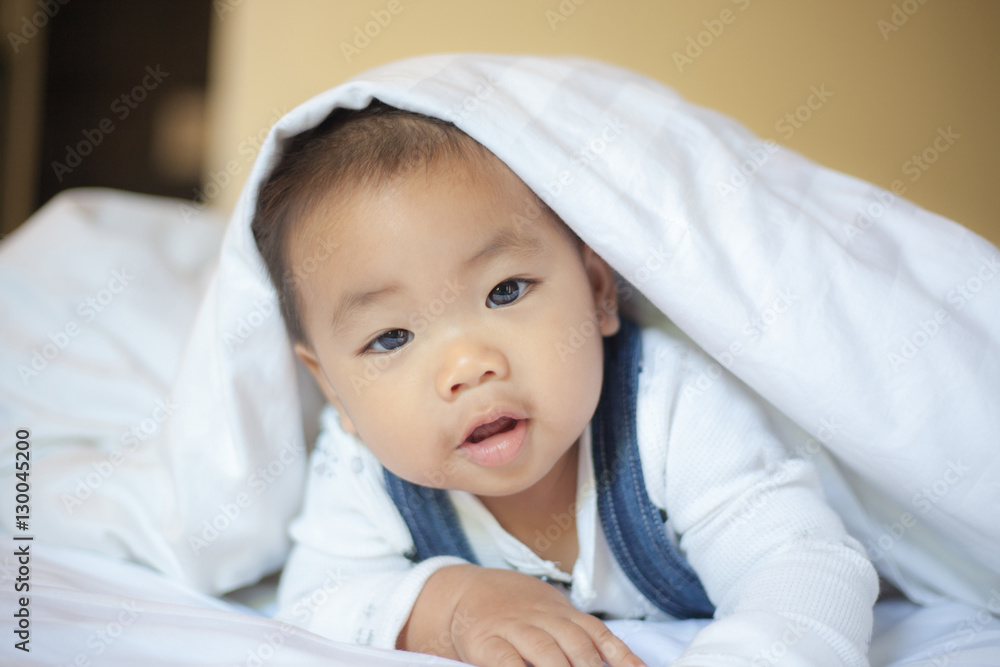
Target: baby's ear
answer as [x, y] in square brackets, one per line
[308, 357]
[602, 283]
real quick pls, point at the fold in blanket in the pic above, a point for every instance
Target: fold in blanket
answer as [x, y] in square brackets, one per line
[869, 324]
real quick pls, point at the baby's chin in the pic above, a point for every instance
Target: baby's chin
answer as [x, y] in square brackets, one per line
[509, 483]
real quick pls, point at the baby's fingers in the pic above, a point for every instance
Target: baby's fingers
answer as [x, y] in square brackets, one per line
[613, 650]
[540, 648]
[495, 651]
[576, 643]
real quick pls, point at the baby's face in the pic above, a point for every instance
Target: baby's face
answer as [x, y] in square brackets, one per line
[450, 329]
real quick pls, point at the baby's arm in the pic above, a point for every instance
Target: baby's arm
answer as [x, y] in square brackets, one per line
[348, 579]
[787, 580]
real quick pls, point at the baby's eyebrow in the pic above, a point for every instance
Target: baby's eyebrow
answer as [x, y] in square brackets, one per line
[504, 241]
[355, 301]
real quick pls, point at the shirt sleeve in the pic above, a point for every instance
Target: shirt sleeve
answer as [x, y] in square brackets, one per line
[789, 584]
[347, 577]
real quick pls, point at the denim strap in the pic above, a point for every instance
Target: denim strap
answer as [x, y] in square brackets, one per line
[632, 524]
[431, 518]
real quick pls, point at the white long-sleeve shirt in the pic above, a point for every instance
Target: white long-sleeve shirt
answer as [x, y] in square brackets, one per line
[787, 580]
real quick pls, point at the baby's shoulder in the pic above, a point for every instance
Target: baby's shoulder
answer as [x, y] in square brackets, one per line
[676, 371]
[340, 452]
[667, 349]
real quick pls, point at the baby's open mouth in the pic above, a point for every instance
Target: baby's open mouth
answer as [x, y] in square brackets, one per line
[497, 443]
[487, 430]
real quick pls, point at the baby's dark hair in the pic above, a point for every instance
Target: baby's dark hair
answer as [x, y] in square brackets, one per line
[349, 150]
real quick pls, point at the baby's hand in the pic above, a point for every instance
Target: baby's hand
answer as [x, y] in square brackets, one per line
[501, 618]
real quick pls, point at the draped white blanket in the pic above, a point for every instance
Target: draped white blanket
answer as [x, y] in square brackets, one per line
[168, 418]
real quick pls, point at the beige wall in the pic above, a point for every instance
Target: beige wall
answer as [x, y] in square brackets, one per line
[891, 89]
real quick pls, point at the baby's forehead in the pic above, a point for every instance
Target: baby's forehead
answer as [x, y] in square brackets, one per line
[495, 184]
[504, 214]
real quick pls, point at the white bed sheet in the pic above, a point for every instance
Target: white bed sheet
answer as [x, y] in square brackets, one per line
[88, 609]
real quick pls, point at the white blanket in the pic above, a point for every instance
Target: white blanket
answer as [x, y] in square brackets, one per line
[94, 610]
[176, 436]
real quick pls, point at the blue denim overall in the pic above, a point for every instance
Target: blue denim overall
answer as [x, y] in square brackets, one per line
[632, 525]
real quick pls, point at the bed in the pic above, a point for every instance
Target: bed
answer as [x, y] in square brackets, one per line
[142, 348]
[89, 609]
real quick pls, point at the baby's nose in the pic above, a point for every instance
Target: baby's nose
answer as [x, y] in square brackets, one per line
[467, 365]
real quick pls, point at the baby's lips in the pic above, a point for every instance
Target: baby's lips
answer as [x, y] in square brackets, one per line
[484, 431]
[487, 418]
[500, 448]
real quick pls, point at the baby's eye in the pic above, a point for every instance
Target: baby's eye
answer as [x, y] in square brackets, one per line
[390, 341]
[508, 292]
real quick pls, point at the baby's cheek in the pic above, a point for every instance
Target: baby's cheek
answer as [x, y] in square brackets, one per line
[578, 375]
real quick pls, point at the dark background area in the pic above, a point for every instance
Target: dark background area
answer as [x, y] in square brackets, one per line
[98, 51]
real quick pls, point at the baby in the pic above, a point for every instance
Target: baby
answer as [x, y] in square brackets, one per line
[506, 468]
